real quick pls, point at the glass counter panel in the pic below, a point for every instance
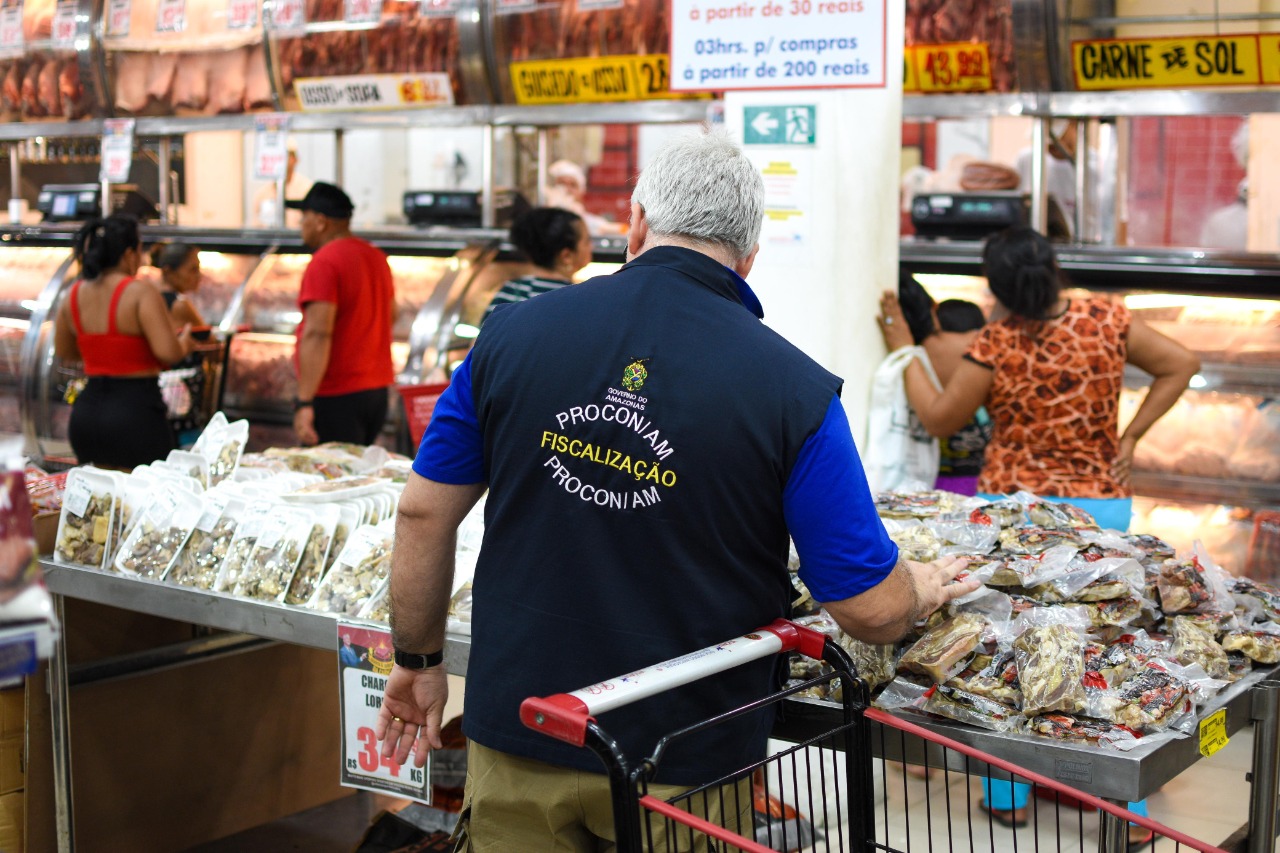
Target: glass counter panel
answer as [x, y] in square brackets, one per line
[416, 279]
[271, 302]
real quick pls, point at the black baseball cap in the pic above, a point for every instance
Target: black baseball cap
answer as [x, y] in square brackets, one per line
[326, 199]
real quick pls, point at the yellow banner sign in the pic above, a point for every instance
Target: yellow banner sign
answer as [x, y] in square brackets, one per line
[592, 79]
[1269, 59]
[1167, 63]
[932, 68]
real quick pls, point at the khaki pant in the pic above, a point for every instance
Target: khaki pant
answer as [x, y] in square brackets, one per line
[518, 805]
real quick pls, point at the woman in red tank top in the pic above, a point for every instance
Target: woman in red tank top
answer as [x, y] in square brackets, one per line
[119, 328]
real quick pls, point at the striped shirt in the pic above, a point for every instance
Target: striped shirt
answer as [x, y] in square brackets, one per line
[520, 289]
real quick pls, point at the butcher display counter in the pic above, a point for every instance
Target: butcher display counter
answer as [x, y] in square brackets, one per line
[49, 63]
[1210, 468]
[24, 294]
[192, 58]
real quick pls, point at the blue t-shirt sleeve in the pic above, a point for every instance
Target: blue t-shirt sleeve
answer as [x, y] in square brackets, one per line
[843, 546]
[452, 449]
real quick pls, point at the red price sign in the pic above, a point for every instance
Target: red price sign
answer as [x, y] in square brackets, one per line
[64, 24]
[242, 14]
[171, 16]
[117, 150]
[952, 68]
[289, 16]
[364, 662]
[118, 14]
[426, 90]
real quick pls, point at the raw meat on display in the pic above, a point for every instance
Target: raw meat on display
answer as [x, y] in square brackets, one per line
[47, 89]
[160, 75]
[191, 82]
[949, 21]
[132, 71]
[227, 79]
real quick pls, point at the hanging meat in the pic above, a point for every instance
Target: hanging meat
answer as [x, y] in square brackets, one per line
[30, 100]
[257, 87]
[11, 90]
[191, 81]
[47, 89]
[228, 77]
[71, 89]
[132, 71]
[160, 76]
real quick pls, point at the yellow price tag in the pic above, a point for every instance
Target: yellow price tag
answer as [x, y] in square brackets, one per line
[1213, 732]
[964, 67]
[594, 79]
[910, 79]
[1166, 63]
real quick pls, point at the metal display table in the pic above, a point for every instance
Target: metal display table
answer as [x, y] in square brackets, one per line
[1114, 775]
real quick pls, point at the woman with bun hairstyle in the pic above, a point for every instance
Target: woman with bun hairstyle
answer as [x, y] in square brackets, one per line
[558, 244]
[179, 265]
[120, 329]
[1049, 370]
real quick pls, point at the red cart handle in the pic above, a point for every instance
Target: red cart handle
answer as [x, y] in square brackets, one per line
[565, 715]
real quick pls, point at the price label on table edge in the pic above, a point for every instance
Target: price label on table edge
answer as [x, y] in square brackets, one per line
[1213, 732]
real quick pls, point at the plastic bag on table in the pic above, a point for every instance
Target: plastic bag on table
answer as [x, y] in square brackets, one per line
[1050, 669]
[1051, 514]
[900, 694]
[943, 651]
[315, 554]
[1194, 644]
[157, 538]
[361, 568]
[996, 679]
[1080, 729]
[1099, 580]
[1073, 616]
[1043, 566]
[198, 562]
[281, 541]
[1259, 642]
[1151, 699]
[88, 514]
[964, 707]
[987, 602]
[19, 568]
[976, 538]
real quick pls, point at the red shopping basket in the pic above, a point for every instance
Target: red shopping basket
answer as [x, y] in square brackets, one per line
[419, 404]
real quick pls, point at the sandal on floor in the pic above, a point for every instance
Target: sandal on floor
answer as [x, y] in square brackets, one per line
[1006, 818]
[1136, 844]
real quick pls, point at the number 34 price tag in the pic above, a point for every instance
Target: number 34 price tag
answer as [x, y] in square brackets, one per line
[364, 662]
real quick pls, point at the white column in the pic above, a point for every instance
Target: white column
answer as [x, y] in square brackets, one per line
[830, 242]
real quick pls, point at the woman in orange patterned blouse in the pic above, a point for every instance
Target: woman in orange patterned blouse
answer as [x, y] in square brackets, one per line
[1049, 370]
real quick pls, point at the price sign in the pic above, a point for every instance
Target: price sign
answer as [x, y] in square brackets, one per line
[362, 11]
[270, 152]
[289, 17]
[64, 25]
[117, 150]
[438, 8]
[242, 14]
[118, 14]
[11, 41]
[594, 79]
[373, 92]
[507, 7]
[1178, 62]
[171, 16]
[950, 68]
[1213, 732]
[364, 662]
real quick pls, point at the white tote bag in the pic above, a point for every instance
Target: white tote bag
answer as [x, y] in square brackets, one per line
[899, 454]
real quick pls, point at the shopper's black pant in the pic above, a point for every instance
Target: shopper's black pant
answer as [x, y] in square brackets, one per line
[356, 417]
[119, 422]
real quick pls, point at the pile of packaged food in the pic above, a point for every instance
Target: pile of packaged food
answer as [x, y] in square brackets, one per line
[1078, 633]
[310, 527]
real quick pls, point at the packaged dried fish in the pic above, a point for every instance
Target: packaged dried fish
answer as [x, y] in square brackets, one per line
[160, 533]
[965, 707]
[995, 678]
[1051, 563]
[1112, 664]
[1002, 513]
[1115, 611]
[1152, 547]
[1194, 643]
[916, 542]
[1265, 597]
[199, 560]
[1076, 729]
[959, 530]
[1259, 646]
[363, 565]
[190, 464]
[221, 443]
[915, 504]
[1050, 668]
[1060, 515]
[242, 545]
[315, 555]
[943, 651]
[1032, 540]
[1150, 700]
[85, 522]
[342, 487]
[1182, 586]
[872, 663]
[275, 555]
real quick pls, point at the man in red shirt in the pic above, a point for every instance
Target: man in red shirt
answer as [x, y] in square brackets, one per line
[344, 340]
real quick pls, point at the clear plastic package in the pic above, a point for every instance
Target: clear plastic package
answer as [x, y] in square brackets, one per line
[363, 565]
[242, 545]
[85, 523]
[315, 555]
[161, 531]
[1050, 668]
[222, 443]
[198, 563]
[191, 464]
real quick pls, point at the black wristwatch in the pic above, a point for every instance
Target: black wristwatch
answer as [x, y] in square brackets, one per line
[408, 660]
[302, 404]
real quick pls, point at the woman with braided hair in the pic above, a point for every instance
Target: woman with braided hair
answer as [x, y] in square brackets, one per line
[119, 328]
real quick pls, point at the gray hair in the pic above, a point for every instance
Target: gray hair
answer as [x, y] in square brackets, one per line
[703, 188]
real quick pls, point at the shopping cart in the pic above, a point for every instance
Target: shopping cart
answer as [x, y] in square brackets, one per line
[828, 789]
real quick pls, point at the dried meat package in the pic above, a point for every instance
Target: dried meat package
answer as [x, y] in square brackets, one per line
[1084, 730]
[1261, 597]
[1182, 586]
[943, 651]
[18, 565]
[1050, 670]
[996, 678]
[1261, 646]
[1061, 515]
[1194, 643]
[1149, 701]
[965, 707]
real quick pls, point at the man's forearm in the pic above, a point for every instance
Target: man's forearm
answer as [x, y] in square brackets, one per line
[884, 613]
[422, 567]
[313, 361]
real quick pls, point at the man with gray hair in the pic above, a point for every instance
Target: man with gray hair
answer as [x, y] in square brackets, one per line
[647, 444]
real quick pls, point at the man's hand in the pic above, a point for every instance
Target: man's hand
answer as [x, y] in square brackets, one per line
[936, 582]
[411, 713]
[304, 425]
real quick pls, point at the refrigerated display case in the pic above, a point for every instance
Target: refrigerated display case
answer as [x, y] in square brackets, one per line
[1209, 470]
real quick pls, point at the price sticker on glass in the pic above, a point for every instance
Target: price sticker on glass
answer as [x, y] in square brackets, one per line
[118, 14]
[117, 150]
[364, 662]
[242, 14]
[11, 42]
[63, 31]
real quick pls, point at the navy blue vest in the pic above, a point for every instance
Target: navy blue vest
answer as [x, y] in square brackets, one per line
[639, 430]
